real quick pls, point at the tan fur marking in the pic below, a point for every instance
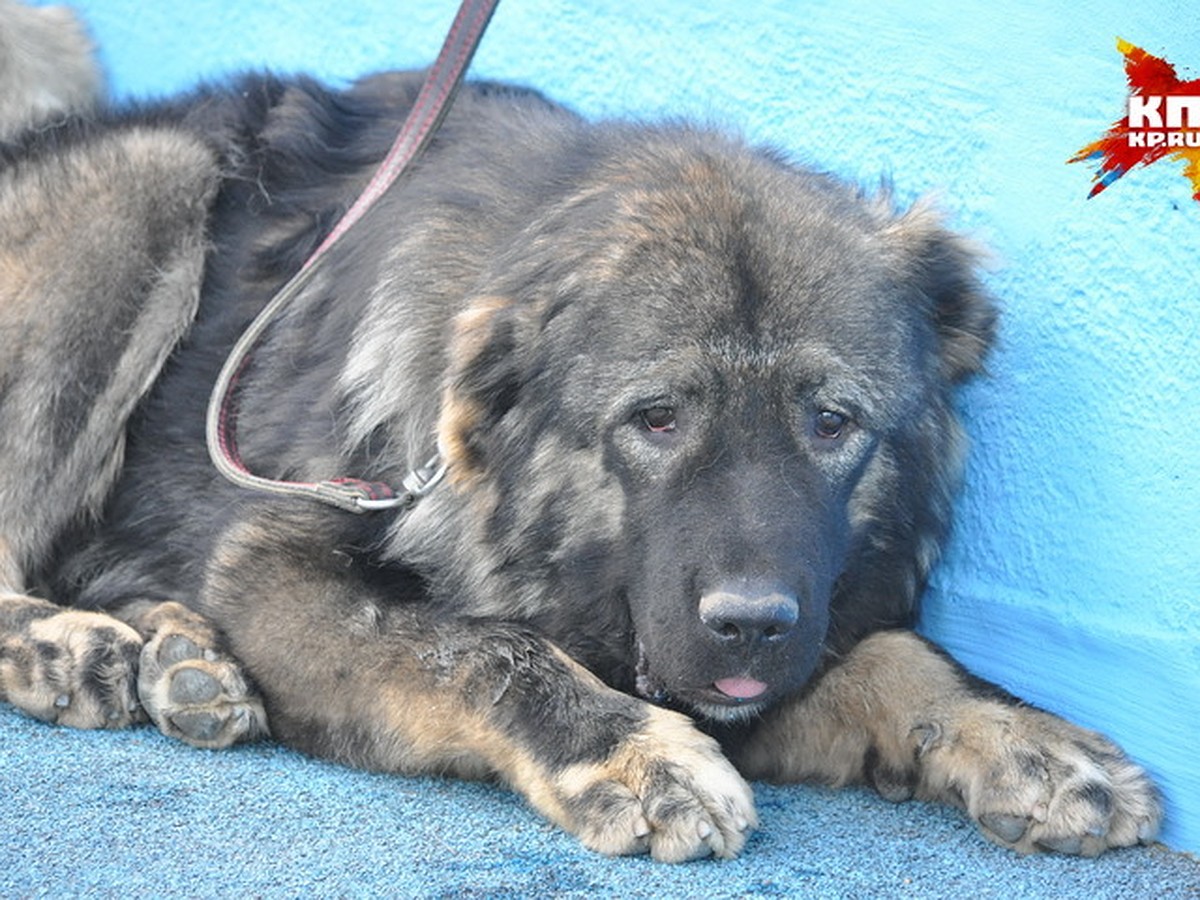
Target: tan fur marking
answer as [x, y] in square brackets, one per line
[431, 730]
[455, 421]
[472, 328]
[1023, 771]
[73, 626]
[471, 331]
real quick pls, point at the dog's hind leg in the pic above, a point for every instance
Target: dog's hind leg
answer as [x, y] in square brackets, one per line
[149, 660]
[189, 686]
[102, 248]
[67, 666]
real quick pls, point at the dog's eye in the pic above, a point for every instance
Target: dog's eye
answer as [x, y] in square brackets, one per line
[658, 419]
[830, 425]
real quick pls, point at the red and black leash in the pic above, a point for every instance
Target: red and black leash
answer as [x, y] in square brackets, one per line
[432, 103]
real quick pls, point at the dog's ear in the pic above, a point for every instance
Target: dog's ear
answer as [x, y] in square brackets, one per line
[943, 267]
[481, 385]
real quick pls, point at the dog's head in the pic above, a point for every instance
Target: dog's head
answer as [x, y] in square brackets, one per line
[711, 391]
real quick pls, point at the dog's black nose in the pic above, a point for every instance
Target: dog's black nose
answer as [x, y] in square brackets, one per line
[750, 611]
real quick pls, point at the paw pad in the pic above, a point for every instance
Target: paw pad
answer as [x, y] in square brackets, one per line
[194, 693]
[177, 648]
[199, 726]
[1007, 828]
[192, 686]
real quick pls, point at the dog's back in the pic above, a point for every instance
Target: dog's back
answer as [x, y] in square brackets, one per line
[47, 67]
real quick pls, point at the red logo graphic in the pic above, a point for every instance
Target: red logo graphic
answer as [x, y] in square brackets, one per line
[1162, 121]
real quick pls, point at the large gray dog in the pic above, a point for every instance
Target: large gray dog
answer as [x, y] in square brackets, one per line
[695, 406]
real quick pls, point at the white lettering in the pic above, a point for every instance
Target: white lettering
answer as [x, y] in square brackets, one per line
[1182, 139]
[1151, 139]
[1146, 111]
[1175, 108]
[1143, 112]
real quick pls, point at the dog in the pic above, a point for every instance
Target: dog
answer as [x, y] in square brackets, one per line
[47, 67]
[695, 407]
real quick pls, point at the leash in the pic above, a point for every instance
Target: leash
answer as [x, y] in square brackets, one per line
[353, 494]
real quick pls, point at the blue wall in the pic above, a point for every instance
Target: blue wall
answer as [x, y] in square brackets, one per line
[1074, 576]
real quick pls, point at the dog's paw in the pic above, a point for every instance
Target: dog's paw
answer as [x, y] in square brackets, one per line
[194, 692]
[72, 668]
[1034, 782]
[666, 790]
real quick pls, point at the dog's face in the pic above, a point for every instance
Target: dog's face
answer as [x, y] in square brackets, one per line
[742, 362]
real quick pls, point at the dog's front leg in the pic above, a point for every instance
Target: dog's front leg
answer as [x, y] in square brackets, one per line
[899, 714]
[355, 665]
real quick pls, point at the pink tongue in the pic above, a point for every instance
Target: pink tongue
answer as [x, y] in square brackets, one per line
[740, 688]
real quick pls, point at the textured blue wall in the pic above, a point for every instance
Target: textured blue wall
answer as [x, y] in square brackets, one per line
[1074, 576]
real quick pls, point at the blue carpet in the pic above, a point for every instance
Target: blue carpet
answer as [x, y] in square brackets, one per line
[134, 814]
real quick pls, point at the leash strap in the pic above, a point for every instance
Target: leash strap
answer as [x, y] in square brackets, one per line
[353, 494]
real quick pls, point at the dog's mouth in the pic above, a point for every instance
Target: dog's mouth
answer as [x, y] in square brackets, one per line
[741, 688]
[725, 699]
